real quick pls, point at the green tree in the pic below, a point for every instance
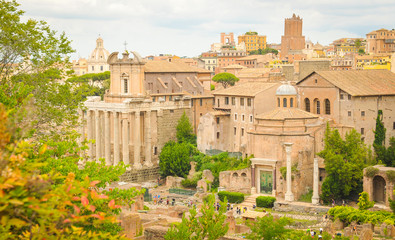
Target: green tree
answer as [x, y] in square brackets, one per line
[363, 201]
[210, 225]
[226, 79]
[185, 130]
[383, 154]
[261, 51]
[267, 228]
[174, 159]
[39, 205]
[344, 163]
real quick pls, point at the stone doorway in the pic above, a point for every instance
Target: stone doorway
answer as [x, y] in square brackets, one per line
[379, 189]
[266, 182]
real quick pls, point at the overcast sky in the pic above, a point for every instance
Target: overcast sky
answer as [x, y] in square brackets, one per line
[189, 27]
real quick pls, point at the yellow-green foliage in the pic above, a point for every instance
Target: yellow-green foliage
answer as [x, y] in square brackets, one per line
[349, 214]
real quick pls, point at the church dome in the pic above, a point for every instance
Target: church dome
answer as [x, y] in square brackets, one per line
[99, 53]
[286, 89]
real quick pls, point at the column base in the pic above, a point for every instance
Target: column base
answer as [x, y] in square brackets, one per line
[289, 197]
[274, 193]
[137, 166]
[148, 164]
[315, 200]
[253, 190]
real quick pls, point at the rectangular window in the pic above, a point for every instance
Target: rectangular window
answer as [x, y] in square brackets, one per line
[241, 101]
[341, 96]
[349, 113]
[192, 102]
[125, 85]
[217, 135]
[153, 99]
[242, 132]
[393, 126]
[251, 119]
[235, 131]
[349, 97]
[235, 116]
[201, 102]
[363, 114]
[170, 98]
[217, 120]
[242, 117]
[233, 101]
[362, 131]
[171, 111]
[249, 102]
[226, 100]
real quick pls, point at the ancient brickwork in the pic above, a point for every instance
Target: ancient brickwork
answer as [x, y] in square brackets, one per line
[140, 175]
[167, 123]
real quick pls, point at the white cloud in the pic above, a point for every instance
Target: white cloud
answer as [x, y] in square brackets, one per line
[188, 27]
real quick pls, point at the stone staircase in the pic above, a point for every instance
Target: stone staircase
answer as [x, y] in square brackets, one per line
[249, 201]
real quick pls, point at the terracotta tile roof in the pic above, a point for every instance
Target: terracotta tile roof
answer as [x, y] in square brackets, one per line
[361, 82]
[246, 89]
[165, 66]
[286, 113]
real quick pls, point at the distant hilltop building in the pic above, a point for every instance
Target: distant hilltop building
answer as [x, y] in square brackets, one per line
[292, 41]
[380, 41]
[252, 41]
[96, 62]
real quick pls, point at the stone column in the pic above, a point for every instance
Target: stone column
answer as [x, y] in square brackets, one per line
[137, 141]
[316, 198]
[116, 138]
[81, 126]
[148, 151]
[274, 192]
[89, 122]
[125, 141]
[253, 188]
[97, 135]
[102, 132]
[107, 136]
[289, 196]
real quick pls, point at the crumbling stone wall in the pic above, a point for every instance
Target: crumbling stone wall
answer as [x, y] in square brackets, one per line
[140, 175]
[167, 123]
[236, 181]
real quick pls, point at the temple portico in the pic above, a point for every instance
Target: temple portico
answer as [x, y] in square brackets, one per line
[129, 125]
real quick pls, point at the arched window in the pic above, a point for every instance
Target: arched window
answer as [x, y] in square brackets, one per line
[307, 104]
[327, 107]
[278, 102]
[291, 103]
[317, 106]
[284, 102]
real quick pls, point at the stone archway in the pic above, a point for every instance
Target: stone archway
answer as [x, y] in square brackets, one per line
[379, 193]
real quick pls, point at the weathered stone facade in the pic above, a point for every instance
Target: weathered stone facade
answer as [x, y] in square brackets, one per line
[236, 181]
[379, 187]
[128, 125]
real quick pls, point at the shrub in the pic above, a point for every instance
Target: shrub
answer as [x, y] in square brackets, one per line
[371, 172]
[391, 175]
[363, 201]
[189, 183]
[233, 197]
[306, 197]
[349, 214]
[264, 201]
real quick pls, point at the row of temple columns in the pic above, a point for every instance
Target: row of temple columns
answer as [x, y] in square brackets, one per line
[109, 146]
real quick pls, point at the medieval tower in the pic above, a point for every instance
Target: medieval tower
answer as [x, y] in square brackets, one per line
[292, 39]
